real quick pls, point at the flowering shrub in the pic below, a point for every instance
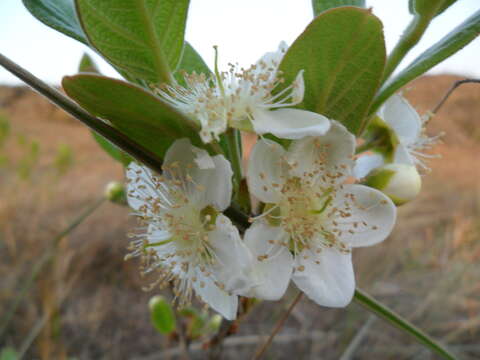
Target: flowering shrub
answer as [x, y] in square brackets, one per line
[337, 147]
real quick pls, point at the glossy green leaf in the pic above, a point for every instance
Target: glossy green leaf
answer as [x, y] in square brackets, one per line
[342, 52]
[322, 5]
[429, 7]
[59, 15]
[142, 37]
[161, 315]
[135, 112]
[446, 47]
[398, 321]
[88, 65]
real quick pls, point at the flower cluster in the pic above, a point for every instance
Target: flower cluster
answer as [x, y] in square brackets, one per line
[317, 199]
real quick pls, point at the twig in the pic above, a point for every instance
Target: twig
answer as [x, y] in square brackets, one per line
[455, 85]
[109, 132]
[216, 343]
[358, 338]
[259, 353]
[184, 342]
[101, 127]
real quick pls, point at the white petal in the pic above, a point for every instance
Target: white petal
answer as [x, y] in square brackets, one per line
[290, 123]
[366, 163]
[334, 149]
[234, 260]
[219, 300]
[272, 274]
[330, 282]
[403, 156]
[273, 58]
[371, 207]
[298, 90]
[403, 118]
[212, 185]
[265, 167]
[139, 176]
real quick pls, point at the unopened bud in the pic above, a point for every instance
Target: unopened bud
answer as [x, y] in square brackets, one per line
[214, 323]
[400, 182]
[115, 192]
[162, 315]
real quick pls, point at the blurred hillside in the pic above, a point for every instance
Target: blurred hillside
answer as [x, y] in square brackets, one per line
[88, 302]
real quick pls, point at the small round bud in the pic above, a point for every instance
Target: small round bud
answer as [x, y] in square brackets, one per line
[115, 192]
[400, 182]
[214, 323]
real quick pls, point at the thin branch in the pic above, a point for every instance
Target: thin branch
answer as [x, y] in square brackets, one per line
[101, 127]
[455, 85]
[216, 343]
[108, 132]
[277, 327]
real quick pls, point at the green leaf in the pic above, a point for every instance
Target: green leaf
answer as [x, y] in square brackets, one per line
[112, 150]
[135, 112]
[142, 37]
[59, 15]
[322, 5]
[404, 325]
[161, 315]
[88, 65]
[446, 47]
[342, 52]
[192, 61]
[429, 7]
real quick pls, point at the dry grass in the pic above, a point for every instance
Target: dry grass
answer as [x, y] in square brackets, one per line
[89, 300]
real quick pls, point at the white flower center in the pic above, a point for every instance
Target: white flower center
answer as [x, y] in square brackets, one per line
[231, 98]
[306, 215]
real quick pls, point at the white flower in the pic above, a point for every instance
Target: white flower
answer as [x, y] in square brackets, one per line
[243, 98]
[409, 129]
[312, 218]
[185, 238]
[400, 182]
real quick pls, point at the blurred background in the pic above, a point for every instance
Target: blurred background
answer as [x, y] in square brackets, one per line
[87, 303]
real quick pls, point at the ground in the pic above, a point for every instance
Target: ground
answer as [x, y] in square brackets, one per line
[87, 302]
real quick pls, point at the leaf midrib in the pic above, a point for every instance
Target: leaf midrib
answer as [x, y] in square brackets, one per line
[153, 39]
[341, 65]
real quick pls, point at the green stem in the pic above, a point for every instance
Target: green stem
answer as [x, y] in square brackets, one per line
[235, 157]
[393, 318]
[46, 257]
[410, 38]
[113, 135]
[371, 304]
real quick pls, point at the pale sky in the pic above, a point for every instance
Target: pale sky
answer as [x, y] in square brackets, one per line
[244, 30]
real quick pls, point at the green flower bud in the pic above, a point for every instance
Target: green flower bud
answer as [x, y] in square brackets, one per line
[115, 192]
[162, 315]
[400, 182]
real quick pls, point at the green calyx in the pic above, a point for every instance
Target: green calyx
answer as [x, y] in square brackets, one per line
[381, 138]
[379, 179]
